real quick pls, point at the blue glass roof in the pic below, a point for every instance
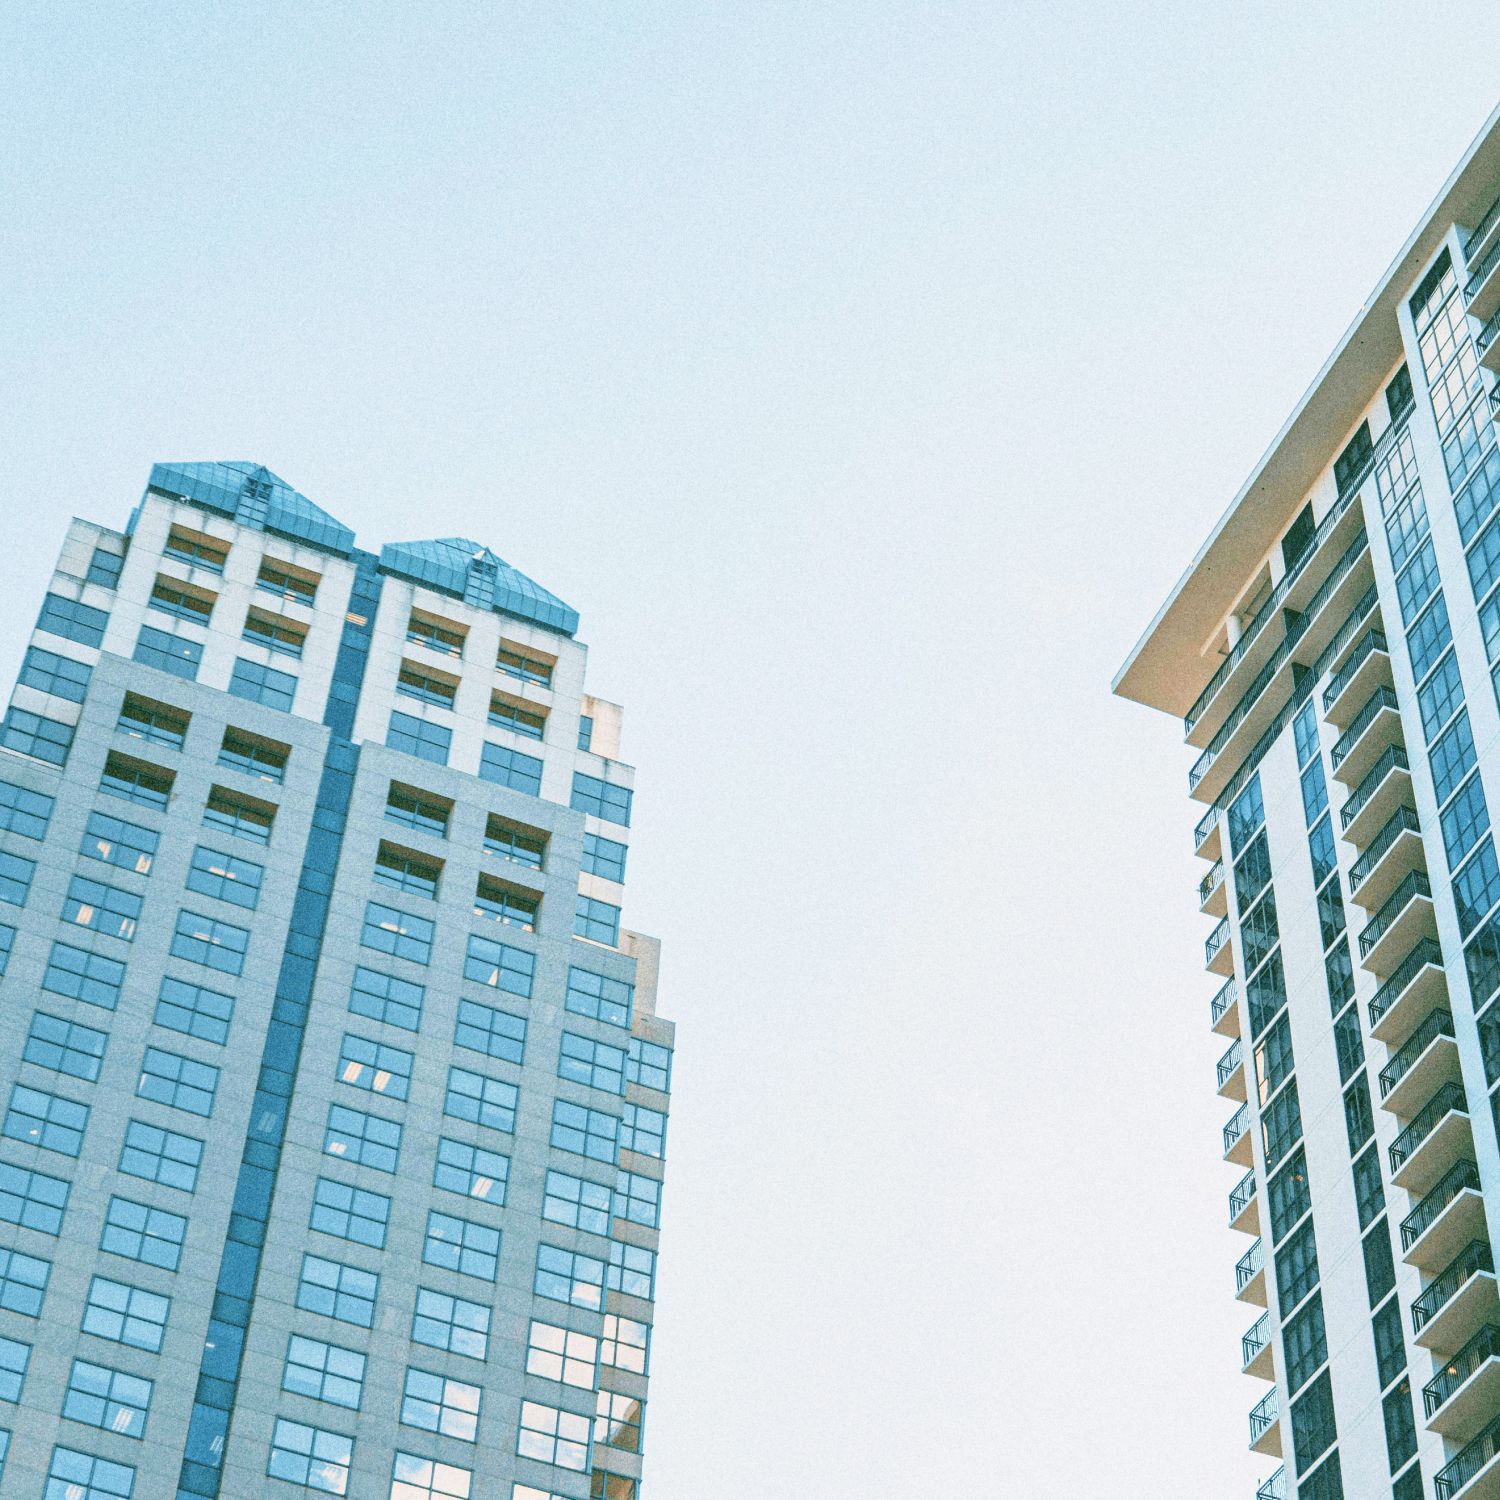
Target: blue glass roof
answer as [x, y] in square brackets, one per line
[254, 496]
[469, 571]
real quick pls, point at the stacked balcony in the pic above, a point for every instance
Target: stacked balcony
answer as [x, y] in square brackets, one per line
[1383, 788]
[1237, 1137]
[1244, 1205]
[1482, 277]
[1465, 1392]
[1393, 853]
[1436, 1137]
[1373, 730]
[1404, 918]
[1447, 1217]
[1457, 1302]
[1474, 1473]
[1255, 1349]
[1218, 953]
[1230, 1070]
[1367, 667]
[1223, 1010]
[1250, 1275]
[1265, 1425]
[1427, 1059]
[1274, 1488]
[1213, 897]
[1410, 991]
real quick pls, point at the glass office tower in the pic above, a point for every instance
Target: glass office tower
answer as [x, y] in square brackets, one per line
[335, 1098]
[1334, 655]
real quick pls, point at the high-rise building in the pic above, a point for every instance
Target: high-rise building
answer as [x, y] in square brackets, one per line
[1333, 653]
[334, 1094]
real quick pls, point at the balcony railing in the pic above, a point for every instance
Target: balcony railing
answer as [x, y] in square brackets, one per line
[1436, 1023]
[1447, 1098]
[1255, 1338]
[1211, 882]
[1392, 758]
[1403, 820]
[1205, 826]
[1222, 1001]
[1235, 1128]
[1482, 271]
[1382, 698]
[1452, 1477]
[1488, 332]
[1482, 228]
[1230, 1061]
[1216, 940]
[1381, 923]
[1425, 952]
[1461, 1175]
[1263, 1417]
[1247, 1267]
[1474, 1258]
[1484, 1345]
[1371, 641]
[1274, 1488]
[1241, 1194]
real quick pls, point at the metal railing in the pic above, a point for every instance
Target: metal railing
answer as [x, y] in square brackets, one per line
[1214, 942]
[1484, 1345]
[1263, 1417]
[1382, 698]
[1425, 951]
[1255, 1338]
[1436, 1023]
[1381, 923]
[1488, 332]
[1205, 826]
[1274, 1488]
[1211, 882]
[1482, 228]
[1403, 820]
[1230, 1061]
[1470, 1262]
[1481, 271]
[1392, 758]
[1447, 1099]
[1235, 1126]
[1248, 1266]
[1226, 996]
[1241, 1195]
[1462, 1174]
[1371, 641]
[1452, 1477]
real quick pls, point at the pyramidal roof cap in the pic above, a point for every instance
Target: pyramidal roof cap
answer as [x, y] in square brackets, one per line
[470, 571]
[253, 496]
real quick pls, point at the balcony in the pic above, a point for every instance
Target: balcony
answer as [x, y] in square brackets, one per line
[1237, 1137]
[1475, 1473]
[1274, 1488]
[1224, 1016]
[1385, 786]
[1483, 234]
[1393, 853]
[1367, 667]
[1488, 343]
[1250, 1275]
[1437, 1136]
[1459, 1302]
[1482, 289]
[1265, 1425]
[1426, 1059]
[1255, 1349]
[1447, 1218]
[1416, 984]
[1231, 1071]
[1213, 897]
[1244, 1209]
[1208, 841]
[1218, 955]
[1373, 729]
[1405, 917]
[1466, 1390]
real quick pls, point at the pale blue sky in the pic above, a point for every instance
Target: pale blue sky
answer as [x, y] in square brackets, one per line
[864, 374]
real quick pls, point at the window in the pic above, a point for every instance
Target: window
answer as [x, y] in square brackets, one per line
[1400, 1427]
[81, 1476]
[161, 1156]
[566, 1276]
[1390, 1342]
[1313, 1428]
[590, 1062]
[1351, 463]
[450, 1323]
[264, 759]
[1348, 1044]
[374, 1067]
[324, 1372]
[506, 713]
[1452, 757]
[396, 932]
[649, 1065]
[1440, 696]
[178, 1081]
[59, 675]
[515, 662]
[116, 842]
[287, 581]
[1464, 821]
[83, 976]
[168, 653]
[23, 1282]
[65, 1046]
[507, 767]
[337, 1291]
[559, 1354]
[553, 1436]
[499, 966]
[285, 637]
[1338, 969]
[404, 871]
[579, 1204]
[32, 1199]
[1259, 929]
[196, 548]
[1369, 1192]
[142, 1233]
[415, 1478]
[226, 876]
[204, 940]
[471, 1171]
[1296, 1267]
[599, 997]
[383, 997]
[31, 734]
[596, 920]
[1320, 846]
[104, 568]
[425, 687]
[1380, 1270]
[506, 903]
[182, 601]
[23, 811]
[461, 1245]
[521, 846]
[604, 858]
[1416, 584]
[350, 1213]
[425, 811]
[585, 732]
[15, 878]
[194, 1010]
[7, 942]
[38, 1118]
[156, 723]
[601, 798]
[443, 636]
[637, 1199]
[617, 1421]
[481, 1100]
[437, 1404]
[72, 620]
[264, 685]
[418, 737]
[1476, 887]
[632, 1270]
[624, 1343]
[243, 817]
[95, 905]
[1305, 1343]
[126, 1314]
[353, 1135]
[111, 1399]
[586, 1132]
[310, 1456]
[496, 1033]
[644, 1131]
[1429, 637]
[1281, 1125]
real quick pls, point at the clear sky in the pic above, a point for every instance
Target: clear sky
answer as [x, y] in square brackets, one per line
[865, 373]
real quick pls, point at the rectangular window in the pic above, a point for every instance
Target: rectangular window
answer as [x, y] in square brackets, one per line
[599, 997]
[383, 997]
[1390, 1342]
[436, 1403]
[104, 568]
[253, 756]
[285, 637]
[637, 1199]
[555, 1353]
[602, 799]
[586, 1061]
[204, 940]
[126, 1314]
[285, 580]
[23, 1282]
[604, 858]
[65, 1046]
[510, 904]
[374, 1067]
[350, 1213]
[566, 1276]
[1273, 1059]
[496, 1033]
[15, 878]
[32, 1199]
[225, 876]
[499, 966]
[1306, 1344]
[182, 601]
[1440, 697]
[506, 713]
[81, 1476]
[516, 662]
[324, 1372]
[577, 1203]
[1353, 461]
[1428, 638]
[310, 1456]
[522, 846]
[596, 920]
[1464, 821]
[30, 734]
[337, 1291]
[1348, 1044]
[72, 620]
[632, 1270]
[1358, 1118]
[140, 1232]
[1476, 887]
[481, 1100]
[585, 1132]
[644, 1131]
[443, 636]
[417, 1478]
[617, 1421]
[353, 1135]
[1416, 584]
[194, 1010]
[1380, 1269]
[650, 1065]
[1296, 1267]
[471, 1171]
[161, 1156]
[100, 1397]
[197, 549]
[506, 767]
[403, 870]
[1369, 1193]
[37, 1118]
[243, 817]
[169, 653]
[1289, 1197]
[59, 675]
[625, 1343]
[177, 1081]
[156, 723]
[462, 1245]
[7, 942]
[95, 905]
[553, 1436]
[116, 842]
[1452, 757]
[444, 1322]
[264, 685]
[398, 933]
[585, 732]
[424, 811]
[1400, 1426]
[418, 737]
[23, 811]
[1313, 1428]
[425, 686]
